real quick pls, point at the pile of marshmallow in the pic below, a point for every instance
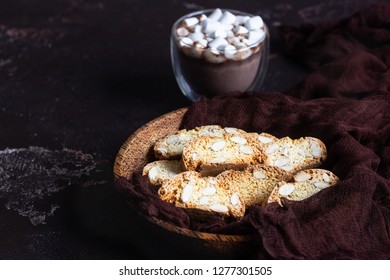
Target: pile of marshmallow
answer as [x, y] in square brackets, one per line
[220, 36]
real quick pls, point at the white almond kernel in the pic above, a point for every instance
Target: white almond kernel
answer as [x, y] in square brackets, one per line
[217, 160]
[187, 192]
[287, 167]
[285, 151]
[301, 152]
[246, 150]
[238, 140]
[321, 185]
[203, 200]
[234, 199]
[286, 189]
[204, 133]
[153, 173]
[212, 181]
[315, 150]
[271, 149]
[220, 208]
[259, 174]
[173, 139]
[282, 161]
[231, 130]
[218, 146]
[264, 139]
[209, 190]
[302, 177]
[326, 177]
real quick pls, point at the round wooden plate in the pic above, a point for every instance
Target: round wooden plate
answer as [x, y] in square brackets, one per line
[137, 151]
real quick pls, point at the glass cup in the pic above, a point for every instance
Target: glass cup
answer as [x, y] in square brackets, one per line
[202, 70]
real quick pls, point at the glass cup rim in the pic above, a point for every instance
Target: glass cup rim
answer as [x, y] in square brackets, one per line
[235, 12]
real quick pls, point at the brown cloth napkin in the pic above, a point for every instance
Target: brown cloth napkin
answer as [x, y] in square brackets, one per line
[354, 54]
[345, 103]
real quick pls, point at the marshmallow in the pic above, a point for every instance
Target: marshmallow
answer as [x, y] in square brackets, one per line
[216, 14]
[227, 27]
[240, 30]
[190, 21]
[182, 32]
[240, 45]
[197, 28]
[186, 42]
[230, 34]
[203, 43]
[255, 37]
[219, 33]
[229, 51]
[218, 42]
[233, 40]
[196, 37]
[227, 18]
[254, 23]
[202, 17]
[210, 26]
[241, 19]
[215, 51]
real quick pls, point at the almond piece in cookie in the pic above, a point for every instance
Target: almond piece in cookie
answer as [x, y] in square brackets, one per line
[294, 155]
[303, 185]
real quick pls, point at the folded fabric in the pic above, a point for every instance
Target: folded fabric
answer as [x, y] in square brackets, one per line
[352, 56]
[346, 104]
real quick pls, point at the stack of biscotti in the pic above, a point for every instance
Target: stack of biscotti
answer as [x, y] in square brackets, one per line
[231, 192]
[253, 168]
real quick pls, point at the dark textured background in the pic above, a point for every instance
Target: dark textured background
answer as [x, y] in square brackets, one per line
[77, 77]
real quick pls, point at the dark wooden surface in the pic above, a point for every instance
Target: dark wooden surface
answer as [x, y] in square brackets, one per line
[77, 77]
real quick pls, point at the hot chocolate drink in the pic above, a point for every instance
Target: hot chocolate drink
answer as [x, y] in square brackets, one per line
[219, 53]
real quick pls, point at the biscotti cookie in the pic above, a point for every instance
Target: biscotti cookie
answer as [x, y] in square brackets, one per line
[294, 155]
[171, 146]
[303, 185]
[161, 170]
[213, 155]
[255, 183]
[201, 197]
